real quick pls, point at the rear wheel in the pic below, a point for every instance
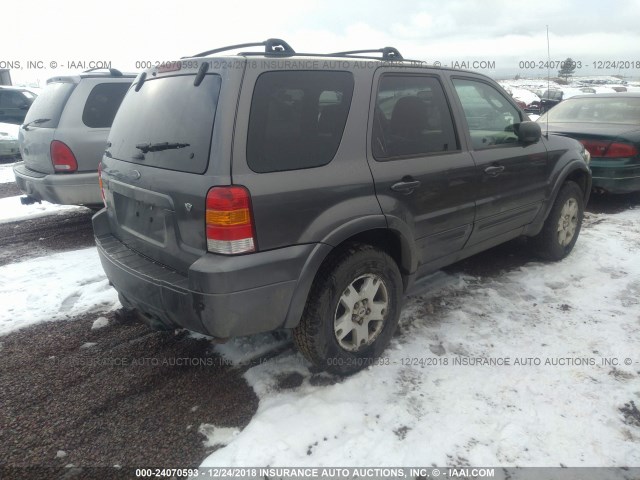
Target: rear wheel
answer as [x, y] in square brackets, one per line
[352, 310]
[562, 227]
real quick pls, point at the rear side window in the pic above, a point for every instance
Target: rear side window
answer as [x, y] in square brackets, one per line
[297, 119]
[102, 104]
[50, 103]
[411, 118]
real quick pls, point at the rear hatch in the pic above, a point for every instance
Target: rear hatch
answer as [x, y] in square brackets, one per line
[38, 129]
[165, 150]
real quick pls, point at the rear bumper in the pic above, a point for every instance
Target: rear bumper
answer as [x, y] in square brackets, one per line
[616, 179]
[65, 189]
[219, 296]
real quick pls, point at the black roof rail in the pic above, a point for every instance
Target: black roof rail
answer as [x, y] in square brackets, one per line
[113, 71]
[271, 45]
[388, 53]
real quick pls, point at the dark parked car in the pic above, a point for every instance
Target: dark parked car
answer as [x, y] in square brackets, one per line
[271, 190]
[548, 100]
[64, 136]
[608, 125]
[14, 104]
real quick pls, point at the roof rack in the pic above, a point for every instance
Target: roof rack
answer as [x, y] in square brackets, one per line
[388, 53]
[277, 46]
[271, 45]
[113, 71]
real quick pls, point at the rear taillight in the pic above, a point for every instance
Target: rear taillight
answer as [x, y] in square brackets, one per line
[607, 149]
[100, 184]
[62, 157]
[229, 222]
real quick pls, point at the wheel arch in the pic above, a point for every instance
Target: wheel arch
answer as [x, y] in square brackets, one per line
[389, 240]
[577, 172]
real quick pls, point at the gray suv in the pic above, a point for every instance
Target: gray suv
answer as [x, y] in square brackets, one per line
[64, 136]
[271, 189]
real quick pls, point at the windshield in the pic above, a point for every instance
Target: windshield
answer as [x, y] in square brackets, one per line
[49, 104]
[625, 110]
[167, 123]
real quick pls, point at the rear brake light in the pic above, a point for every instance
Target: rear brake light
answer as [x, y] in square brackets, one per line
[100, 184]
[607, 149]
[621, 150]
[229, 222]
[62, 157]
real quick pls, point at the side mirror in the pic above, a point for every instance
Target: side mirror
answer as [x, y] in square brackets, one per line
[528, 132]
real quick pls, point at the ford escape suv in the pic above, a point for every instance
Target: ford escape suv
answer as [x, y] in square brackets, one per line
[266, 190]
[64, 135]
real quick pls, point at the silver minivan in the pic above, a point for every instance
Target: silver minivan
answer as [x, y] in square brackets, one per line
[64, 135]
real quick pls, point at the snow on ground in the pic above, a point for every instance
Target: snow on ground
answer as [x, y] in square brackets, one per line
[100, 322]
[524, 95]
[568, 316]
[524, 89]
[6, 173]
[217, 435]
[11, 210]
[54, 287]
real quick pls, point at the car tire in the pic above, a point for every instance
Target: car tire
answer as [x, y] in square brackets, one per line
[352, 310]
[562, 227]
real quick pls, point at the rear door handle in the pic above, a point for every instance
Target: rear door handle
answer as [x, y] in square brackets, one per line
[405, 187]
[494, 170]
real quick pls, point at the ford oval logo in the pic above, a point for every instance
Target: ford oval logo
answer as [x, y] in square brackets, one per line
[135, 174]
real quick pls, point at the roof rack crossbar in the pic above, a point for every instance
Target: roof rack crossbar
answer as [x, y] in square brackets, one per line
[388, 53]
[271, 45]
[113, 71]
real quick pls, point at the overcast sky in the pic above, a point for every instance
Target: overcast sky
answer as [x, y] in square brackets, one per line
[505, 32]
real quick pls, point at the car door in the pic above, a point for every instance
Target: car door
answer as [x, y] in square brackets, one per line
[512, 176]
[423, 178]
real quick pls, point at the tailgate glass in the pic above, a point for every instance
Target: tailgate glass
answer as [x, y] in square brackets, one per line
[168, 123]
[49, 104]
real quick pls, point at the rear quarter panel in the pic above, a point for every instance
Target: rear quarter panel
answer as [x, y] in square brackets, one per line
[311, 205]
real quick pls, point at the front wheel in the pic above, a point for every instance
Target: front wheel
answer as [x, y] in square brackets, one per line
[562, 227]
[352, 310]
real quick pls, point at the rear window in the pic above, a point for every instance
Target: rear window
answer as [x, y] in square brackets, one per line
[625, 110]
[49, 104]
[297, 119]
[168, 123]
[102, 104]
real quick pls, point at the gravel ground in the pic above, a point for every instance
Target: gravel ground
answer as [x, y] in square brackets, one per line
[37, 237]
[603, 203]
[105, 397]
[9, 190]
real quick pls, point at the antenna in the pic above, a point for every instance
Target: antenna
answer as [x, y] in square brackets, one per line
[548, 78]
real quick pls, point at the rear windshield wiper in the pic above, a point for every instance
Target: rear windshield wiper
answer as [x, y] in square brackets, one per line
[34, 122]
[159, 147]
